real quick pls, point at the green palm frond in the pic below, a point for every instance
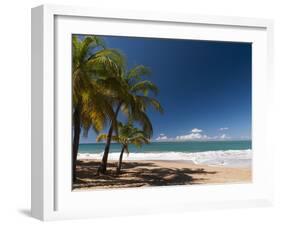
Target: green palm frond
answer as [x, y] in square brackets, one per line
[89, 43]
[92, 63]
[144, 121]
[110, 60]
[103, 136]
[100, 83]
[146, 102]
[114, 87]
[137, 97]
[128, 134]
[136, 72]
[75, 52]
[144, 87]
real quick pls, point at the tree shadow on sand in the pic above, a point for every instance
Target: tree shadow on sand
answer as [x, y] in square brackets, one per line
[134, 174]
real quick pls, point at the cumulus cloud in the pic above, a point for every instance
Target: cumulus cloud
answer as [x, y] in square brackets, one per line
[192, 136]
[162, 137]
[224, 137]
[195, 130]
[200, 136]
[223, 128]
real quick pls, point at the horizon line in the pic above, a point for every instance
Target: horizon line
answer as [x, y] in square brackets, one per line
[177, 141]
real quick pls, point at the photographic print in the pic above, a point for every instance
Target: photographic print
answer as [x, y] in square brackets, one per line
[159, 112]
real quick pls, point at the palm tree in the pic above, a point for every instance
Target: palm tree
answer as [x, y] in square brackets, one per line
[137, 96]
[127, 134]
[92, 65]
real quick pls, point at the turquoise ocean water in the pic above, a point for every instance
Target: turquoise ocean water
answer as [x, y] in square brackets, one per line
[236, 153]
[187, 147]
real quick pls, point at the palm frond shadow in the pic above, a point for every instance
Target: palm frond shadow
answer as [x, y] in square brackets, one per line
[134, 174]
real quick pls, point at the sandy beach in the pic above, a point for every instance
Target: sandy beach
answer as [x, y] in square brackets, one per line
[156, 173]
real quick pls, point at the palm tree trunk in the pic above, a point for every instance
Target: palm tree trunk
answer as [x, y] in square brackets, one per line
[118, 169]
[102, 168]
[75, 144]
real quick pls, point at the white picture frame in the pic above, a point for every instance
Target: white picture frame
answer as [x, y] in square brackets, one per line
[52, 197]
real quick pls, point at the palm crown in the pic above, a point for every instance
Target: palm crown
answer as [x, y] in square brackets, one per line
[135, 97]
[102, 88]
[92, 64]
[140, 97]
[127, 134]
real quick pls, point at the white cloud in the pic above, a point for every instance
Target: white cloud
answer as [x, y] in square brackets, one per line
[200, 136]
[192, 136]
[162, 137]
[224, 137]
[195, 134]
[195, 130]
[223, 128]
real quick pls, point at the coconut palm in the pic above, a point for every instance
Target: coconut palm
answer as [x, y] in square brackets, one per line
[92, 65]
[127, 134]
[137, 96]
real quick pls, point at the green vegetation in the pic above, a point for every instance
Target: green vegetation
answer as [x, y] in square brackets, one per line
[127, 134]
[134, 102]
[102, 87]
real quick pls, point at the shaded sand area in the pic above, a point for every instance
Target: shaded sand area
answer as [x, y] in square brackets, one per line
[156, 173]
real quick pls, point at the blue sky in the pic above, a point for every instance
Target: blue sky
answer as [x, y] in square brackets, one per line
[204, 86]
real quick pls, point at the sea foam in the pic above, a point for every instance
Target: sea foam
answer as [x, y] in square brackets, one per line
[231, 158]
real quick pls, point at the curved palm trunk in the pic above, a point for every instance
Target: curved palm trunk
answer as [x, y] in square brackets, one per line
[118, 169]
[102, 168]
[75, 144]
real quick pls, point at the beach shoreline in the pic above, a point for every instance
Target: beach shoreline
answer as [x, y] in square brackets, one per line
[147, 173]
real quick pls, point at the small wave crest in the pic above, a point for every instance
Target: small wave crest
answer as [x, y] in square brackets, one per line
[227, 158]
